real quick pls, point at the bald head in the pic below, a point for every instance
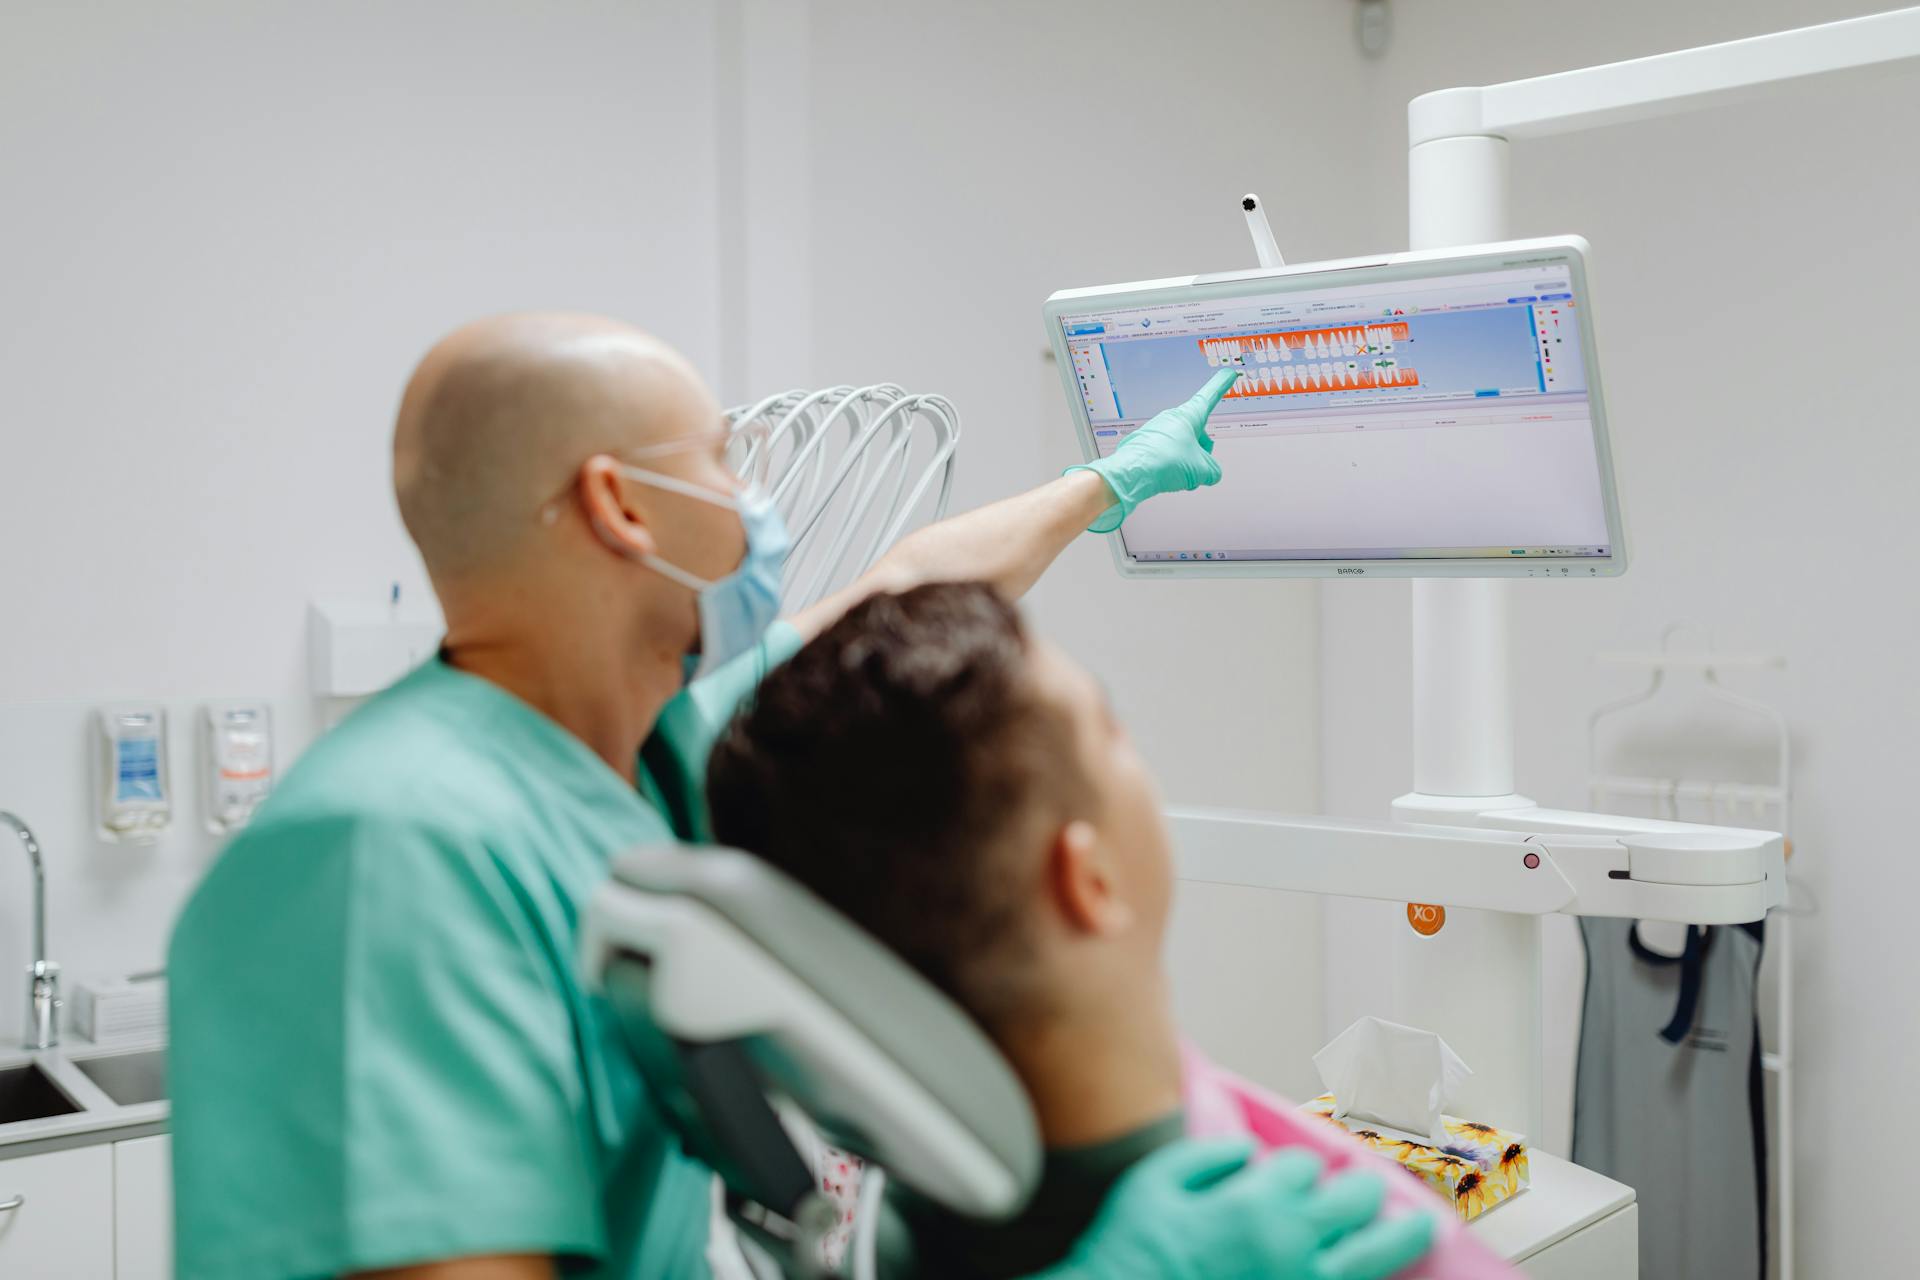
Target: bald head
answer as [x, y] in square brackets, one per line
[501, 413]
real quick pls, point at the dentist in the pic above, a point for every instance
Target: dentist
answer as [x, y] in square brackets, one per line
[382, 1060]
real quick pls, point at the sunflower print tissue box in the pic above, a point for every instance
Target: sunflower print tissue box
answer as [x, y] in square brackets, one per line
[1478, 1167]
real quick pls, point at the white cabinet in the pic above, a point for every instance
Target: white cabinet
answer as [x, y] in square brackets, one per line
[103, 1212]
[143, 1208]
[60, 1222]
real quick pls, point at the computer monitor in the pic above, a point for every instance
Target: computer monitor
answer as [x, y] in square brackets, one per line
[1433, 414]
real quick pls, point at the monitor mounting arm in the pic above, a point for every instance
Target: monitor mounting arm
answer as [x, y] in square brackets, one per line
[1465, 837]
[1527, 862]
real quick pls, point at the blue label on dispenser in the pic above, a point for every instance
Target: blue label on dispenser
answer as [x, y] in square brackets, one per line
[137, 769]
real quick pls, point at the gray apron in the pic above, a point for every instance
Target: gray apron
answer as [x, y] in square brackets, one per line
[1668, 1099]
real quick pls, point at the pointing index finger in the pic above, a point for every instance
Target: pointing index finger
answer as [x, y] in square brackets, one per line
[1216, 387]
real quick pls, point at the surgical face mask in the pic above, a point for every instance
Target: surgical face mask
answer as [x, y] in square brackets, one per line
[735, 611]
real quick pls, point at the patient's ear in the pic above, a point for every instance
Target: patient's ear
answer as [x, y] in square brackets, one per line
[1085, 888]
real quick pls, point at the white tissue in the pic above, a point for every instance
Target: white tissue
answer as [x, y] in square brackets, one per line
[1387, 1074]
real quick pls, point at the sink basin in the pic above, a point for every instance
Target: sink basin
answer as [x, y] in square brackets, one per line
[27, 1094]
[129, 1078]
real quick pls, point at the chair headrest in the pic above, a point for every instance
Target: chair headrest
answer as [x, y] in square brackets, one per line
[730, 949]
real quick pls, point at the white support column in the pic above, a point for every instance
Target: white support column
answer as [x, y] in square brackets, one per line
[1462, 688]
[1477, 980]
[1456, 192]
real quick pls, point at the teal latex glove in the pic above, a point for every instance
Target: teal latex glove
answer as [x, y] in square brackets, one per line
[1200, 1211]
[1171, 453]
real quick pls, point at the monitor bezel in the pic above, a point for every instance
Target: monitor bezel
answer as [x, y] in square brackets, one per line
[1380, 268]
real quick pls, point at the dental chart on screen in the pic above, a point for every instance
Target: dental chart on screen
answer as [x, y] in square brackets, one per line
[1417, 414]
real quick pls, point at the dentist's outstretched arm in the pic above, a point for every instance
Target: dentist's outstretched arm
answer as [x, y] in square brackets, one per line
[1170, 453]
[1010, 543]
[1200, 1211]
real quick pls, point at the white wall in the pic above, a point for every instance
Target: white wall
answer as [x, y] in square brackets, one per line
[1752, 272]
[971, 160]
[231, 229]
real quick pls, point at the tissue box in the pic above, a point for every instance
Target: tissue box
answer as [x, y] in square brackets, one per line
[1478, 1168]
[119, 1009]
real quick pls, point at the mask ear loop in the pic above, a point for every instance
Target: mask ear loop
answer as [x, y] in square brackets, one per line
[549, 513]
[674, 573]
[674, 484]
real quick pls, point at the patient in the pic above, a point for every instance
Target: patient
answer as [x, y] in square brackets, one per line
[963, 791]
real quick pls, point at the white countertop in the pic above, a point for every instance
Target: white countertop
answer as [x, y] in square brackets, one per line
[1561, 1199]
[99, 1117]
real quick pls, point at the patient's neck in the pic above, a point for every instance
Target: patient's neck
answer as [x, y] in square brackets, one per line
[1099, 1069]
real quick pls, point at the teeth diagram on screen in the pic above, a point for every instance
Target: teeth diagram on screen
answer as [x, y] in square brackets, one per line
[1303, 361]
[1323, 375]
[1128, 367]
[1309, 344]
[1446, 418]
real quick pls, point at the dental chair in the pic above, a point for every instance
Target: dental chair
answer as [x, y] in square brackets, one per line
[760, 1016]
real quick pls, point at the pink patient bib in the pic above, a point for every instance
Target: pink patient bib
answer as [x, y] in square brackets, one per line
[1221, 1105]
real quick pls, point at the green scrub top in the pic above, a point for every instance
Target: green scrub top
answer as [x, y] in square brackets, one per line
[381, 1052]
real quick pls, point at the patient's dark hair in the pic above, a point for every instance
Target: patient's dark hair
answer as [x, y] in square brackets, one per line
[901, 766]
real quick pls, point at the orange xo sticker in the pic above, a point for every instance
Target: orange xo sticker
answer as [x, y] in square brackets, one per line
[1426, 919]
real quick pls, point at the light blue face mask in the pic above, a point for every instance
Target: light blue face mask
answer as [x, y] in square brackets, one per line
[735, 611]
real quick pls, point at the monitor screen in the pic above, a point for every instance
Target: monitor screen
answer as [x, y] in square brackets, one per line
[1418, 415]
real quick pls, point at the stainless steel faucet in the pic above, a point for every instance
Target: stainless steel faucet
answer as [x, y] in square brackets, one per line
[43, 977]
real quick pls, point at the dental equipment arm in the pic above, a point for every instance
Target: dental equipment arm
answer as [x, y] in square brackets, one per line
[1009, 544]
[1525, 861]
[1666, 84]
[850, 469]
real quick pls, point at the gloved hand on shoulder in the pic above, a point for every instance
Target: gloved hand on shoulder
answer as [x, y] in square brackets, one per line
[1202, 1211]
